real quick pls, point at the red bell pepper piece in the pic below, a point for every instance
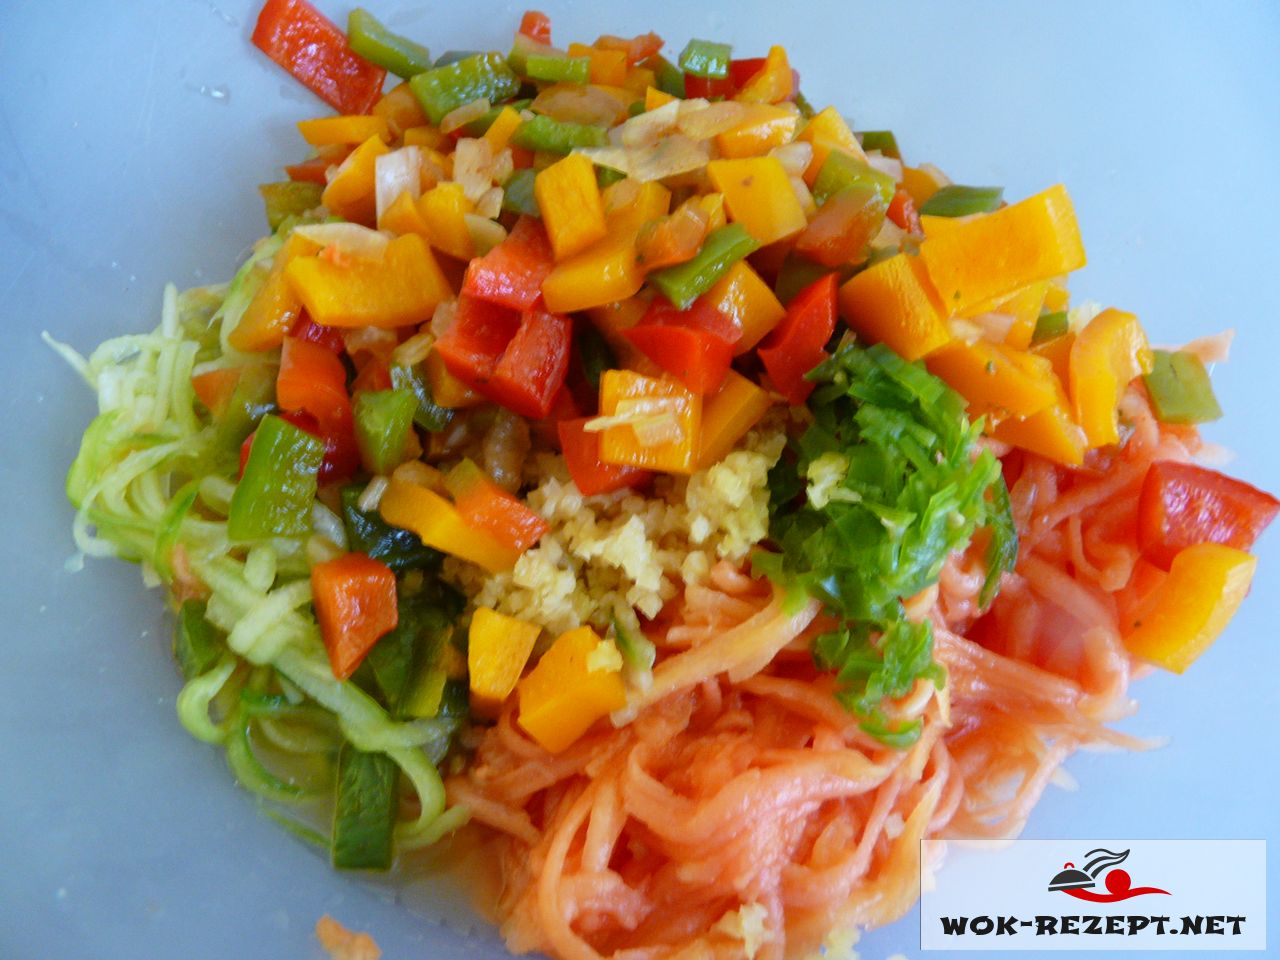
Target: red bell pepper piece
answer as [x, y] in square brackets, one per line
[741, 71]
[328, 337]
[473, 344]
[536, 25]
[309, 171]
[582, 456]
[486, 506]
[309, 45]
[511, 274]
[902, 211]
[355, 602]
[637, 48]
[795, 346]
[1182, 505]
[698, 358]
[707, 87]
[701, 315]
[533, 367]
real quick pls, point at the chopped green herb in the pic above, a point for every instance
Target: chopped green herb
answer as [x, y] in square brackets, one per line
[1050, 326]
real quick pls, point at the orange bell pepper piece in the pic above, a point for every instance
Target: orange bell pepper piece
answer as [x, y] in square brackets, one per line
[427, 136]
[655, 98]
[1184, 615]
[893, 302]
[766, 127]
[569, 200]
[503, 128]
[403, 217]
[354, 129]
[608, 67]
[922, 183]
[759, 196]
[993, 255]
[728, 415]
[400, 109]
[827, 131]
[351, 194]
[773, 83]
[498, 647]
[486, 506]
[275, 307]
[1023, 306]
[661, 422]
[313, 379]
[575, 683]
[355, 603]
[995, 381]
[443, 209]
[749, 302]
[446, 389]
[1051, 433]
[214, 388]
[401, 289]
[1058, 352]
[439, 525]
[1108, 353]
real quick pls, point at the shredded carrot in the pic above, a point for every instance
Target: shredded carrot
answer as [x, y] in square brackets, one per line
[343, 944]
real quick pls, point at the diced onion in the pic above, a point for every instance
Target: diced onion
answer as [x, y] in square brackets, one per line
[348, 238]
[414, 350]
[574, 103]
[371, 495]
[473, 167]
[651, 419]
[489, 205]
[668, 157]
[994, 326]
[794, 157]
[442, 319]
[648, 127]
[376, 340]
[485, 233]
[504, 165]
[801, 190]
[394, 173]
[892, 167]
[460, 117]
[702, 121]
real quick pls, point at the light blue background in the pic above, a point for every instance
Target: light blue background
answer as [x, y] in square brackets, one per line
[119, 170]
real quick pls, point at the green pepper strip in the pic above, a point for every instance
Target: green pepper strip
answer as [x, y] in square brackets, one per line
[958, 201]
[453, 56]
[1049, 326]
[364, 816]
[288, 199]
[197, 644]
[517, 194]
[485, 76]
[429, 415]
[377, 44]
[368, 533]
[275, 496]
[669, 77]
[685, 282]
[706, 58]
[882, 140]
[557, 69]
[1180, 389]
[557, 136]
[841, 171]
[384, 419]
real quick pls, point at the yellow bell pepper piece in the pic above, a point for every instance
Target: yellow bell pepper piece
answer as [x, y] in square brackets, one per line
[726, 417]
[639, 80]
[921, 183]
[608, 67]
[713, 206]
[661, 404]
[274, 308]
[572, 210]
[330, 130]
[766, 127]
[655, 98]
[1188, 610]
[439, 525]
[1108, 353]
[446, 389]
[893, 302]
[745, 298]
[995, 381]
[350, 194]
[403, 217]
[498, 647]
[1058, 352]
[504, 126]
[607, 271]
[759, 196]
[444, 208]
[992, 255]
[1051, 433]
[1023, 306]
[1057, 296]
[401, 109]
[427, 136]
[827, 131]
[773, 83]
[576, 682]
[401, 289]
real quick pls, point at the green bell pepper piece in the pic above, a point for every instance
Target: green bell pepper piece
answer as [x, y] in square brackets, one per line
[377, 44]
[685, 282]
[453, 56]
[275, 496]
[425, 622]
[706, 58]
[441, 90]
[607, 176]
[253, 398]
[288, 199]
[517, 194]
[882, 140]
[955, 200]
[557, 68]
[197, 644]
[384, 419]
[524, 47]
[841, 171]
[594, 354]
[364, 816]
[428, 414]
[1050, 326]
[795, 274]
[1180, 389]
[368, 533]
[558, 136]
[669, 77]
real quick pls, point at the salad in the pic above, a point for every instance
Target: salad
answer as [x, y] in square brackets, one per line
[612, 459]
